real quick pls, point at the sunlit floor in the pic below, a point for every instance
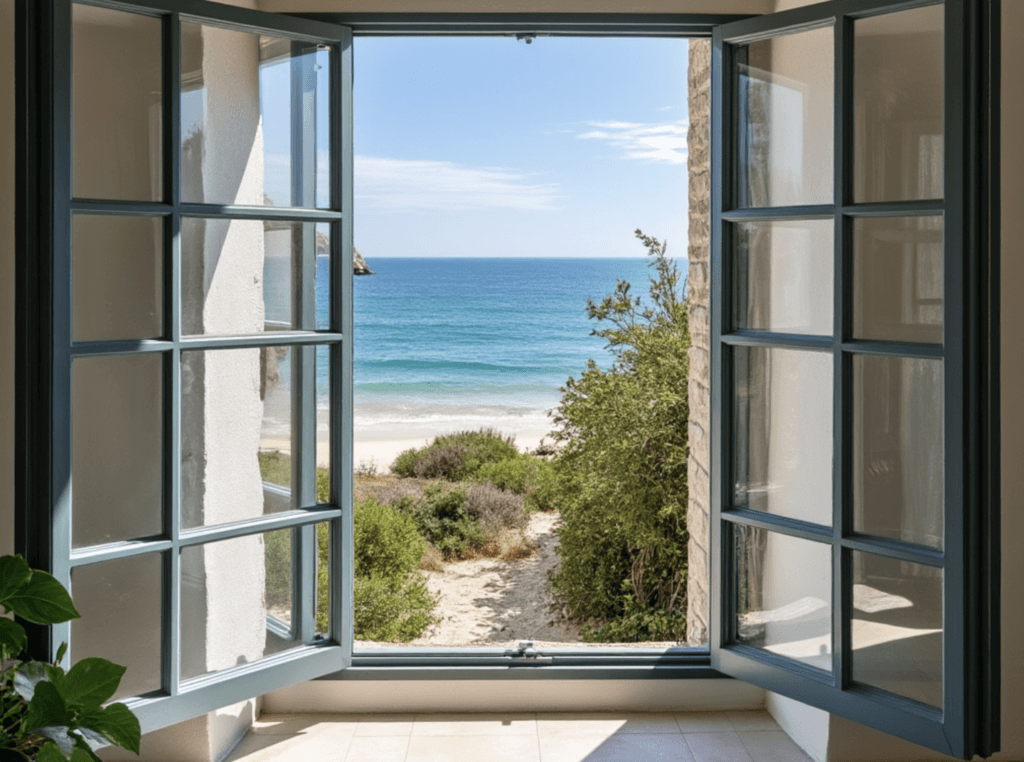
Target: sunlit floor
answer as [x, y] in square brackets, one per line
[586, 737]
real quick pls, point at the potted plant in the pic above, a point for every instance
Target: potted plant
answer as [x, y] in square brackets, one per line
[46, 713]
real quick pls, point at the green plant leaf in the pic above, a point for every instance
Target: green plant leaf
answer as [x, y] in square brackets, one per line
[27, 676]
[14, 574]
[59, 735]
[116, 723]
[84, 751]
[12, 637]
[60, 652]
[46, 708]
[42, 600]
[89, 683]
[50, 753]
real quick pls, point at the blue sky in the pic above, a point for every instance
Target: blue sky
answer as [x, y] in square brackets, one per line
[492, 147]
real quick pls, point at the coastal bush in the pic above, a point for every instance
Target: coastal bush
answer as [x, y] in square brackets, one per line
[392, 602]
[443, 521]
[621, 468]
[507, 545]
[526, 475]
[456, 457]
[495, 508]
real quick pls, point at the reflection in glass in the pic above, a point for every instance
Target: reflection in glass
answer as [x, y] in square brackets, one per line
[250, 276]
[240, 142]
[117, 448]
[117, 81]
[238, 432]
[897, 627]
[785, 120]
[897, 448]
[897, 278]
[782, 278]
[898, 104]
[784, 590]
[117, 276]
[782, 419]
[236, 601]
[129, 593]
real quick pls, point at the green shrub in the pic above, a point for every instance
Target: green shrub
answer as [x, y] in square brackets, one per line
[386, 541]
[456, 457]
[443, 520]
[621, 468]
[392, 608]
[512, 475]
[542, 494]
[278, 555]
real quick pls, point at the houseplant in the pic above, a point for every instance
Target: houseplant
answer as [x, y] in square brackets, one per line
[46, 713]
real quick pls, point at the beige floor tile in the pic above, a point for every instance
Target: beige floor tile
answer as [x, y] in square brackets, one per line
[295, 724]
[606, 723]
[717, 747]
[629, 747]
[378, 749]
[474, 724]
[757, 719]
[323, 746]
[772, 746]
[384, 725]
[507, 748]
[703, 722]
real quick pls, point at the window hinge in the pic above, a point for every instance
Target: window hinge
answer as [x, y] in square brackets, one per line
[525, 654]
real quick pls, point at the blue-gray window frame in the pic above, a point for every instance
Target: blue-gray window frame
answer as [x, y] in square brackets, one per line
[45, 350]
[968, 724]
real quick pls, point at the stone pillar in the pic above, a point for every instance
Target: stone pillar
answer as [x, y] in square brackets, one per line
[698, 280]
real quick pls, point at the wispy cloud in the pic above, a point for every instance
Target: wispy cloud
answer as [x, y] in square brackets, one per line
[423, 185]
[652, 142]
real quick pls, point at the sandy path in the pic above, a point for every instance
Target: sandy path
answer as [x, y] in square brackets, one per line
[493, 603]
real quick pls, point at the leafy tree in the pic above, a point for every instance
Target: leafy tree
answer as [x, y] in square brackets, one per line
[622, 464]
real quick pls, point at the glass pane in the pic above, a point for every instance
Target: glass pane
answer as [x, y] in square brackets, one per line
[117, 448]
[897, 278]
[117, 272]
[121, 603]
[782, 278]
[250, 276]
[899, 78]
[784, 589]
[237, 431]
[897, 627]
[236, 601]
[785, 113]
[118, 105]
[782, 418]
[897, 448]
[240, 143]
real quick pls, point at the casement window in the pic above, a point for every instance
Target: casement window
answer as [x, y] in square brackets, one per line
[852, 469]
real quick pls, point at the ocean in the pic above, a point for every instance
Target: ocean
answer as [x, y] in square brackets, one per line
[449, 344]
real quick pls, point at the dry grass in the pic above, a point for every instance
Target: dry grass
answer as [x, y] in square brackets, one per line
[506, 545]
[433, 559]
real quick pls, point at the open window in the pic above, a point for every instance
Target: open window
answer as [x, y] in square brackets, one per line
[853, 506]
[851, 526]
[192, 161]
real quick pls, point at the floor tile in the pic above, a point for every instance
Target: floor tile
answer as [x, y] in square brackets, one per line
[703, 722]
[323, 746]
[757, 719]
[384, 725]
[295, 724]
[717, 747]
[507, 748]
[378, 749]
[772, 746]
[629, 747]
[474, 724]
[608, 723]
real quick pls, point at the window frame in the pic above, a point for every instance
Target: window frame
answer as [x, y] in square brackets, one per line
[45, 350]
[969, 723]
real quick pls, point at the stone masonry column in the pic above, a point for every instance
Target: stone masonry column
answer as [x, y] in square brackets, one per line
[698, 280]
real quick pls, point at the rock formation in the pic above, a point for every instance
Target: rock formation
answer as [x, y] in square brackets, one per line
[359, 266]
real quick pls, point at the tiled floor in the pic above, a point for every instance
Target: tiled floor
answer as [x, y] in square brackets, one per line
[618, 737]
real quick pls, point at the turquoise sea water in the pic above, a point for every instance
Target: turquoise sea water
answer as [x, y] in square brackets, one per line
[475, 342]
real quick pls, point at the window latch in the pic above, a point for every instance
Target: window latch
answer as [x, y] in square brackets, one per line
[525, 653]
